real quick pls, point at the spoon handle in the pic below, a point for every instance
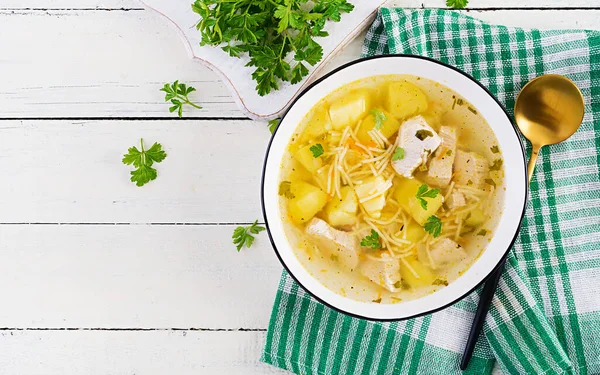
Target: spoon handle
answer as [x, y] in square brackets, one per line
[535, 150]
[485, 300]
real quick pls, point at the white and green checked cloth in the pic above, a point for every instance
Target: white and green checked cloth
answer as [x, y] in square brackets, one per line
[545, 317]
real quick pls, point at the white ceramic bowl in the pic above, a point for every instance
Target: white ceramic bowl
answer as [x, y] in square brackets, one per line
[515, 182]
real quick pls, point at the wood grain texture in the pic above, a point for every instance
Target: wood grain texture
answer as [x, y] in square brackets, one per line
[116, 68]
[134, 276]
[70, 171]
[128, 4]
[133, 352]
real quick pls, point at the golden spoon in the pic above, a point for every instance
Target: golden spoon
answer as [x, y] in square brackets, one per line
[549, 109]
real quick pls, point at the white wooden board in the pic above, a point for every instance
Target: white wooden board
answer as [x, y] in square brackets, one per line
[132, 352]
[116, 68]
[71, 172]
[134, 276]
[103, 293]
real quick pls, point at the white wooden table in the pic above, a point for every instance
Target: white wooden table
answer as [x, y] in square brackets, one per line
[98, 276]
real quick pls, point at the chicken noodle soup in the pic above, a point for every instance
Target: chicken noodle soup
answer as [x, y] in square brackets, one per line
[390, 188]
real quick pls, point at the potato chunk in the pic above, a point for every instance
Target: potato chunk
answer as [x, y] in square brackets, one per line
[371, 187]
[305, 157]
[424, 275]
[389, 128]
[342, 211]
[308, 200]
[406, 196]
[319, 124]
[331, 241]
[405, 99]
[475, 218]
[349, 109]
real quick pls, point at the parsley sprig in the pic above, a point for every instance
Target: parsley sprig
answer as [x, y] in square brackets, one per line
[371, 241]
[267, 31]
[177, 93]
[425, 192]
[143, 161]
[317, 150]
[457, 4]
[398, 154]
[379, 118]
[433, 226]
[243, 236]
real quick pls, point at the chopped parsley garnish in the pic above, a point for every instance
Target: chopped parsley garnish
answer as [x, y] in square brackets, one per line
[433, 226]
[398, 154]
[285, 190]
[378, 300]
[495, 149]
[425, 192]
[449, 152]
[371, 241]
[422, 134]
[379, 118]
[473, 111]
[496, 165]
[317, 150]
[460, 101]
[489, 181]
[243, 236]
[440, 282]
[482, 232]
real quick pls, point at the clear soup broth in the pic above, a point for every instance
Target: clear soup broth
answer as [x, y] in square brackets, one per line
[390, 188]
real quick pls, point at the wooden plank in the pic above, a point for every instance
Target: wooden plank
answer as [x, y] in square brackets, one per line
[134, 276]
[116, 68]
[133, 352]
[71, 171]
[128, 4]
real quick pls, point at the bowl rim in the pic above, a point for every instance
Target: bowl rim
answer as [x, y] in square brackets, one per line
[502, 259]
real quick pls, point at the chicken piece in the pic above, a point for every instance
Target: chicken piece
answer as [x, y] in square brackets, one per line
[384, 272]
[418, 140]
[331, 241]
[456, 200]
[470, 169]
[446, 252]
[440, 166]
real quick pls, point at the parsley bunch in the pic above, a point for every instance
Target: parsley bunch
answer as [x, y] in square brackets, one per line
[269, 30]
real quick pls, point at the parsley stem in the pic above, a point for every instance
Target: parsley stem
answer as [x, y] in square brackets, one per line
[143, 155]
[192, 104]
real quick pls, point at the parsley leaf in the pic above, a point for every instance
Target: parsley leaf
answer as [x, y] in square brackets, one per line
[398, 154]
[371, 241]
[457, 4]
[273, 124]
[495, 149]
[379, 117]
[425, 192]
[177, 93]
[285, 190]
[317, 150]
[422, 134]
[243, 236]
[433, 226]
[267, 32]
[496, 165]
[440, 282]
[143, 161]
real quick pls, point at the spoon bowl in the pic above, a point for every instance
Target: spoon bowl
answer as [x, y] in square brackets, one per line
[548, 110]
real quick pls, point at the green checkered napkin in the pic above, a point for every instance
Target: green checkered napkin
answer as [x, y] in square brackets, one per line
[545, 317]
